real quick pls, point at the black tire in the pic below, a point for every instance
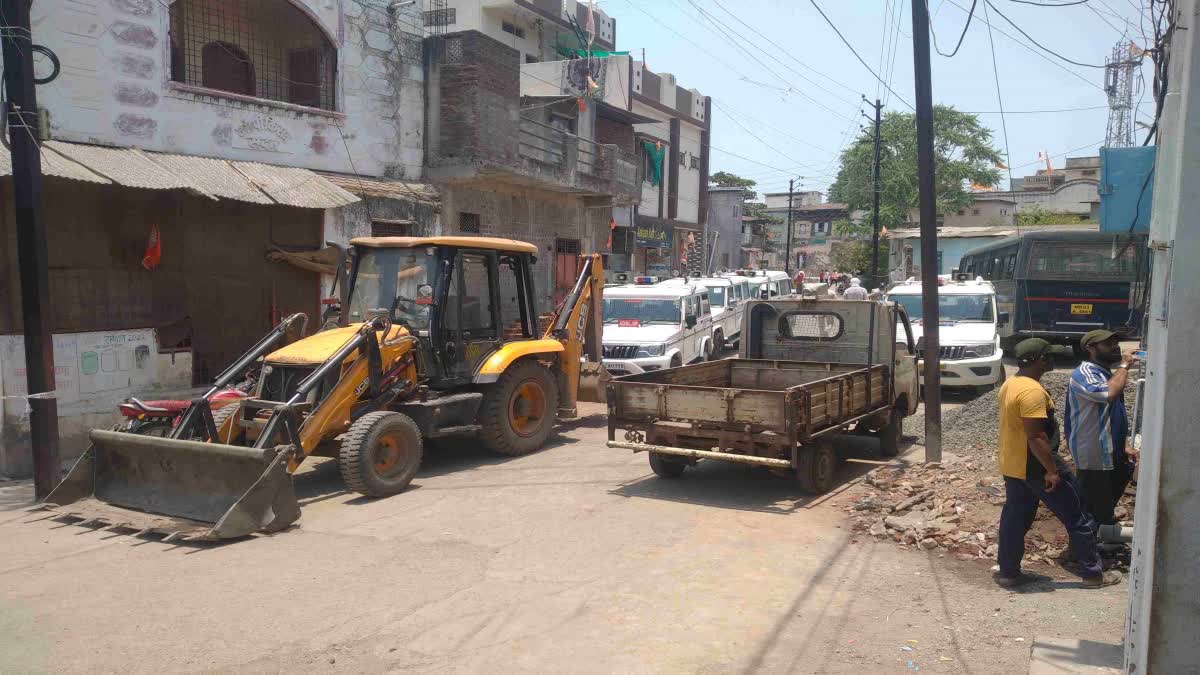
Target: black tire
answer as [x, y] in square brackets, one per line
[676, 361]
[710, 352]
[817, 471]
[380, 454]
[524, 384]
[666, 467]
[889, 436]
[719, 342]
[159, 429]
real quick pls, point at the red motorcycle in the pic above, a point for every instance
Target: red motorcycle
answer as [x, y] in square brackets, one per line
[158, 418]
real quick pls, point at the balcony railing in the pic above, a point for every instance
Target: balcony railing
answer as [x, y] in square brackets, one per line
[577, 162]
[750, 240]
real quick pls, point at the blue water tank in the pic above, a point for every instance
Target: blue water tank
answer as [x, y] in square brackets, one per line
[1126, 188]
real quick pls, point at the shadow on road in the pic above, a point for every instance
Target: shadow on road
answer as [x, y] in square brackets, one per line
[749, 488]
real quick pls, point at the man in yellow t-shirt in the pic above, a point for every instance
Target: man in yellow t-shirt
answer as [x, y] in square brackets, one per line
[1033, 472]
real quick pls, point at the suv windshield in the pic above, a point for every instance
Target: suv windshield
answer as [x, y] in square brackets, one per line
[643, 310]
[390, 280]
[975, 308]
[716, 296]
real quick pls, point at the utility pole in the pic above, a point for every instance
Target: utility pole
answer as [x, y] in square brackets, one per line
[875, 200]
[787, 253]
[32, 251]
[927, 187]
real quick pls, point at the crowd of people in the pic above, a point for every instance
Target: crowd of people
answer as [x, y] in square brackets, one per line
[841, 284]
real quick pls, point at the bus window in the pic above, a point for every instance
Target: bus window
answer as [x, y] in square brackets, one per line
[1010, 266]
[1055, 259]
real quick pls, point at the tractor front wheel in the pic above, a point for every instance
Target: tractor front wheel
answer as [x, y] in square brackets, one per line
[380, 454]
[519, 410]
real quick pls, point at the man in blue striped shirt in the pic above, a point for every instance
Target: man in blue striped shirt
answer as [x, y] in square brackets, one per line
[1097, 427]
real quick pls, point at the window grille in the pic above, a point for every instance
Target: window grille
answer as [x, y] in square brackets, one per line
[440, 18]
[264, 48]
[468, 222]
[811, 326]
[391, 228]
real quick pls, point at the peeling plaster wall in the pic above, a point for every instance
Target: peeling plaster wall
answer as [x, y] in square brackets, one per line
[115, 89]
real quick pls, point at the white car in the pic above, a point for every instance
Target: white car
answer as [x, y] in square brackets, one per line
[651, 327]
[765, 284]
[968, 322]
[726, 297]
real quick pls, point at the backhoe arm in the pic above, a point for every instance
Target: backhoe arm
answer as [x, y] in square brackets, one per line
[578, 325]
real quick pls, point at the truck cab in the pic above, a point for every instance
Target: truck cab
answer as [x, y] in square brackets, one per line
[650, 327]
[969, 325]
[726, 298]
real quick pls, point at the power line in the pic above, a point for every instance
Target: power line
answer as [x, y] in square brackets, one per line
[1050, 4]
[727, 31]
[970, 15]
[792, 57]
[1065, 152]
[1033, 51]
[1036, 43]
[898, 6]
[855, 52]
[1032, 112]
[999, 99]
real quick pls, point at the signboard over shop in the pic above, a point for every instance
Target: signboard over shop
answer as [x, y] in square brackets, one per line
[653, 235]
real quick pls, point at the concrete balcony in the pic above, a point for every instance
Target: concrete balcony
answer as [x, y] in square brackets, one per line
[755, 241]
[576, 164]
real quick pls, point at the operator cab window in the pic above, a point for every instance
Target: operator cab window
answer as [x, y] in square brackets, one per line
[474, 313]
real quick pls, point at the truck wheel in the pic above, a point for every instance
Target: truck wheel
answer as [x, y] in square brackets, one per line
[817, 468]
[710, 351]
[380, 454]
[719, 342]
[676, 361]
[666, 467]
[889, 436]
[518, 411]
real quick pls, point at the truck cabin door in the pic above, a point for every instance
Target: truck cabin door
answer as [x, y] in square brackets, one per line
[470, 320]
[907, 379]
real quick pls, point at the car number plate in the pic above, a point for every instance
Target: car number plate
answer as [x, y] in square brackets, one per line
[1081, 308]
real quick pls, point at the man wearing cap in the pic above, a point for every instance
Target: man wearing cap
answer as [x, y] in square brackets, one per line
[1096, 425]
[1032, 471]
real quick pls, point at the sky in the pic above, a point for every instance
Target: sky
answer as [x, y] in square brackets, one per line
[787, 92]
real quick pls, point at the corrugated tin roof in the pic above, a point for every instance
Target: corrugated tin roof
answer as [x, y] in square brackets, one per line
[214, 178]
[295, 187]
[54, 164]
[379, 187]
[124, 166]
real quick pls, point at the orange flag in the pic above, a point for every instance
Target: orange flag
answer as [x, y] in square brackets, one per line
[153, 249]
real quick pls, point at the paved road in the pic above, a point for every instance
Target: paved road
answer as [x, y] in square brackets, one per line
[574, 559]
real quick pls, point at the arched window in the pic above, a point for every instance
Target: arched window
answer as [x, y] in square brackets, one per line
[265, 48]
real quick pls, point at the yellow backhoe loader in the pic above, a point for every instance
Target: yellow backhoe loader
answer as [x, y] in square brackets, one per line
[437, 336]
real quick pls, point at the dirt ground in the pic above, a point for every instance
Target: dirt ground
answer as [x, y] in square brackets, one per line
[574, 559]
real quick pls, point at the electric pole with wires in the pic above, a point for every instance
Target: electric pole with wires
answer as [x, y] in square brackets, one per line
[32, 252]
[928, 202]
[876, 187]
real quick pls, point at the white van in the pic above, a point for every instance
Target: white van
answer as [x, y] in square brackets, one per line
[726, 297]
[765, 284]
[650, 327]
[968, 321]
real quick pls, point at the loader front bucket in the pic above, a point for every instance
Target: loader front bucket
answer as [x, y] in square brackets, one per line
[189, 489]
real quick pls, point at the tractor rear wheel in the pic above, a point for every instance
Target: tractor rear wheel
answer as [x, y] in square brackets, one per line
[380, 454]
[519, 410]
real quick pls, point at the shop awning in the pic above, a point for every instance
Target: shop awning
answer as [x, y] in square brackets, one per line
[213, 178]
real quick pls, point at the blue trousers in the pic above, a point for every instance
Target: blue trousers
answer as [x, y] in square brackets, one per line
[1021, 499]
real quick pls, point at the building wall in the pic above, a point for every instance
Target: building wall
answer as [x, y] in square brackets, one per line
[115, 89]
[689, 174]
[214, 288]
[952, 251]
[725, 209]
[990, 213]
[539, 217]
[488, 17]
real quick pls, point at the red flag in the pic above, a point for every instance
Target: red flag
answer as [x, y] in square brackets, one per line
[153, 249]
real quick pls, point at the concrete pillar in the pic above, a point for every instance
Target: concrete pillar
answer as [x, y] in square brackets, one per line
[1164, 606]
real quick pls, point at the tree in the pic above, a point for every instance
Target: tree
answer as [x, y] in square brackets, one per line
[854, 257]
[963, 155]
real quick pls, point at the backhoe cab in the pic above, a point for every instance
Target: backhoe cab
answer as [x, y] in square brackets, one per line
[437, 336]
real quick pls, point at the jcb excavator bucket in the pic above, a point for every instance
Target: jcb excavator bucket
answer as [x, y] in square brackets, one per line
[189, 489]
